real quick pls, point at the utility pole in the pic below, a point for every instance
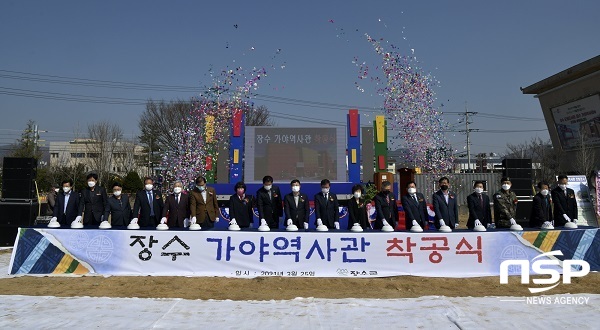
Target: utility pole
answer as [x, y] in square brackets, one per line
[468, 132]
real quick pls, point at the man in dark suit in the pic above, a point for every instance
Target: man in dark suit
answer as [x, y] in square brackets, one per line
[327, 207]
[385, 206]
[541, 208]
[68, 207]
[415, 207]
[177, 207]
[95, 202]
[296, 206]
[480, 212]
[445, 205]
[148, 205]
[268, 200]
[204, 208]
[565, 203]
[119, 207]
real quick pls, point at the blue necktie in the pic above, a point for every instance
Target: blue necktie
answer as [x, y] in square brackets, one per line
[151, 203]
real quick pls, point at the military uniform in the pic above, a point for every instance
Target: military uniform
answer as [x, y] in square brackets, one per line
[505, 208]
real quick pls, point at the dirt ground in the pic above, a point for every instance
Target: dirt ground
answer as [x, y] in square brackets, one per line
[267, 288]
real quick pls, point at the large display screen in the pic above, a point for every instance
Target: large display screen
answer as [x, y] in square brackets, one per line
[577, 121]
[306, 154]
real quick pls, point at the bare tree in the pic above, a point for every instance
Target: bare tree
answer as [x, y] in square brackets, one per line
[104, 138]
[259, 116]
[158, 119]
[585, 156]
[125, 156]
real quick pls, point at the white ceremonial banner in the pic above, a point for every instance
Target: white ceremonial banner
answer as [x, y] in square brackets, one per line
[290, 254]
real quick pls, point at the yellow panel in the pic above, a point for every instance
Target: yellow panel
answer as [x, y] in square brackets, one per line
[380, 124]
[353, 156]
[210, 128]
[236, 156]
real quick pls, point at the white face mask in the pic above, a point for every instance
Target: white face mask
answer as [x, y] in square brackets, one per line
[56, 189]
[325, 190]
[66, 189]
[117, 193]
[91, 184]
[563, 186]
[505, 186]
[177, 190]
[544, 192]
[412, 191]
[267, 188]
[478, 190]
[296, 188]
[357, 194]
[149, 186]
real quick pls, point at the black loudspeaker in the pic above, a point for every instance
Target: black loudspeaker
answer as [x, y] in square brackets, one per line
[524, 212]
[514, 173]
[521, 184]
[516, 163]
[18, 175]
[14, 215]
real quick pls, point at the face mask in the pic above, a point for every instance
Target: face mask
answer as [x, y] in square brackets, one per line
[201, 188]
[296, 188]
[325, 190]
[117, 193]
[412, 191]
[240, 191]
[66, 189]
[56, 190]
[444, 187]
[357, 194]
[267, 188]
[505, 186]
[563, 186]
[177, 190]
[544, 192]
[91, 184]
[478, 190]
[149, 187]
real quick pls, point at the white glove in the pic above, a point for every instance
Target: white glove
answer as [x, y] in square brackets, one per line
[442, 223]
[415, 223]
[134, 221]
[385, 223]
[512, 222]
[574, 220]
[186, 222]
[306, 226]
[567, 218]
[547, 224]
[54, 219]
[336, 225]
[319, 222]
[456, 225]
[193, 221]
[477, 223]
[78, 219]
[232, 222]
[216, 219]
[263, 222]
[289, 222]
[163, 220]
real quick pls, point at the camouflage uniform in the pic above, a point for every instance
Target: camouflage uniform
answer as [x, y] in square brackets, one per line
[505, 208]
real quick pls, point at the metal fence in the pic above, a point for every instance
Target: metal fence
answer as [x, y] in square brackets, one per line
[460, 183]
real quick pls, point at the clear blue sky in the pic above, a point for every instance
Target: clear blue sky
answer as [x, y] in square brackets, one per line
[480, 51]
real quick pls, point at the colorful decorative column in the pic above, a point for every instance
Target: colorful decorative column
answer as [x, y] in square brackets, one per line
[353, 146]
[380, 143]
[236, 149]
[211, 166]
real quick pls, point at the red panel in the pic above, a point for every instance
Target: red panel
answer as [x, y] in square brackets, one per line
[237, 123]
[381, 162]
[353, 115]
[209, 163]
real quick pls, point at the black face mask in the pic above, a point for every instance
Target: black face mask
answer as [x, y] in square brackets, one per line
[444, 187]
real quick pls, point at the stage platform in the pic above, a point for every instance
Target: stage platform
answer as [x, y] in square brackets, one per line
[250, 253]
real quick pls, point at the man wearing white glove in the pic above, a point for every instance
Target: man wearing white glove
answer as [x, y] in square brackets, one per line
[193, 221]
[326, 205]
[337, 225]
[480, 212]
[289, 222]
[541, 207]
[505, 204]
[415, 207]
[445, 205]
[203, 204]
[296, 205]
[565, 203]
[512, 222]
[177, 207]
[68, 204]
[306, 226]
[385, 206]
